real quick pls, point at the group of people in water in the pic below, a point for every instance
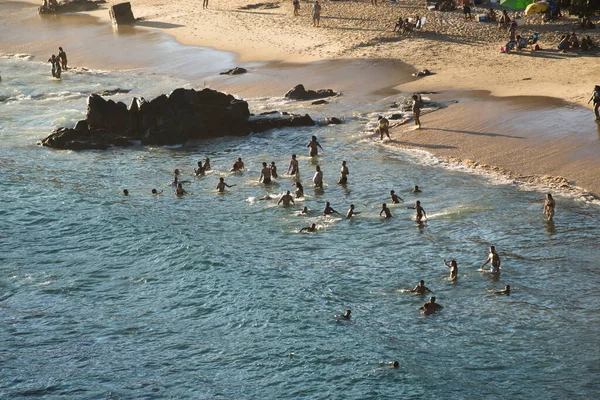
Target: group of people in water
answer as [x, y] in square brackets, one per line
[59, 63]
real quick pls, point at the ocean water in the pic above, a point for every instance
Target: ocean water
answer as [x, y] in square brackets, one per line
[217, 296]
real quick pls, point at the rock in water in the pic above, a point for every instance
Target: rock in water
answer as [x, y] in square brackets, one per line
[298, 92]
[235, 71]
[121, 14]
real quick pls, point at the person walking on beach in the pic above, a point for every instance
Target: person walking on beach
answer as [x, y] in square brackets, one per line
[596, 99]
[221, 185]
[286, 199]
[385, 210]
[420, 211]
[453, 269]
[344, 174]
[549, 206]
[296, 4]
[494, 258]
[293, 168]
[417, 104]
[265, 174]
[204, 4]
[384, 127]
[62, 56]
[316, 13]
[318, 178]
[314, 147]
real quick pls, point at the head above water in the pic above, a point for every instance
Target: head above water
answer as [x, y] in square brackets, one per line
[396, 364]
[154, 191]
[314, 138]
[492, 249]
[432, 299]
[421, 282]
[293, 156]
[222, 179]
[126, 192]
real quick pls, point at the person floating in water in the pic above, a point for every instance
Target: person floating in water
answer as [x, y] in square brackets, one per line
[420, 211]
[293, 168]
[221, 185]
[385, 210]
[318, 178]
[416, 189]
[299, 192]
[286, 199]
[494, 259]
[311, 228]
[265, 174]
[453, 269]
[238, 165]
[420, 288]
[351, 213]
[344, 172]
[549, 206]
[384, 127]
[395, 198]
[314, 146]
[505, 291]
[273, 170]
[417, 105]
[328, 209]
[431, 306]
[199, 171]
[596, 99]
[62, 57]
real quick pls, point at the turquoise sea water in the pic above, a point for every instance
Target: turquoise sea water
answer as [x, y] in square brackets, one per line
[216, 296]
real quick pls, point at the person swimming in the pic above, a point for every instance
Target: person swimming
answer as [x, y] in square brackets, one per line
[385, 210]
[238, 165]
[286, 199]
[311, 228]
[125, 192]
[420, 288]
[395, 198]
[305, 210]
[329, 210]
[416, 189]
[265, 174]
[505, 291]
[395, 364]
[344, 172]
[494, 258]
[156, 192]
[453, 269]
[299, 192]
[318, 178]
[431, 306]
[221, 185]
[314, 146]
[180, 191]
[420, 211]
[293, 168]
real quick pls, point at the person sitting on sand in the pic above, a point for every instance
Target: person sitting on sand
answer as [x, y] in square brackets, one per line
[62, 56]
[491, 15]
[453, 269]
[431, 306]
[221, 185]
[328, 209]
[398, 25]
[494, 258]
[417, 105]
[314, 146]
[596, 99]
[420, 211]
[395, 198]
[564, 43]
[265, 174]
[573, 41]
[318, 178]
[549, 206]
[299, 190]
[416, 189]
[420, 288]
[504, 20]
[522, 42]
[286, 199]
[407, 26]
[316, 13]
[238, 166]
[385, 210]
[199, 171]
[344, 172]
[505, 291]
[384, 127]
[351, 212]
[293, 168]
[311, 228]
[125, 192]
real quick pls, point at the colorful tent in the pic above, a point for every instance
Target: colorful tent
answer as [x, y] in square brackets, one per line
[515, 4]
[536, 8]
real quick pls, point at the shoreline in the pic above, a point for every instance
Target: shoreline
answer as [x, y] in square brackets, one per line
[275, 74]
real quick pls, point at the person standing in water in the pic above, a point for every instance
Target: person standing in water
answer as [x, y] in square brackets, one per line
[314, 147]
[62, 57]
[221, 185]
[318, 178]
[385, 210]
[417, 104]
[420, 288]
[384, 127]
[344, 172]
[596, 99]
[199, 171]
[351, 213]
[328, 209]
[265, 174]
[453, 269]
[493, 258]
[395, 198]
[273, 170]
[431, 306]
[207, 164]
[420, 211]
[238, 166]
[299, 190]
[549, 206]
[286, 199]
[293, 168]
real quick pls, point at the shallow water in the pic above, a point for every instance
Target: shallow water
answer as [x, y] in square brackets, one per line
[208, 295]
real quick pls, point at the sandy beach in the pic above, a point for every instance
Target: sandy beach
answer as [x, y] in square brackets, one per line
[505, 116]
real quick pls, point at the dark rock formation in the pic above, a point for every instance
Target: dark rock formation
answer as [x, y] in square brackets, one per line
[333, 121]
[121, 14]
[185, 114]
[235, 71]
[70, 6]
[299, 93]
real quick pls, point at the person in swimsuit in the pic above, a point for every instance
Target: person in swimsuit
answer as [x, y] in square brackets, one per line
[207, 164]
[384, 127]
[318, 178]
[420, 211]
[596, 99]
[549, 206]
[293, 168]
[273, 170]
[494, 258]
[453, 269]
[311, 228]
[199, 171]
[351, 212]
[238, 166]
[299, 190]
[286, 199]
[221, 185]
[314, 146]
[395, 198]
[420, 288]
[53, 61]
[180, 191]
[316, 13]
[176, 172]
[386, 211]
[417, 104]
[328, 209]
[431, 306]
[265, 174]
[344, 172]
[416, 189]
[62, 57]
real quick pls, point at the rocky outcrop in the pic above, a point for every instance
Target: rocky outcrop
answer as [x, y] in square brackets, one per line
[185, 114]
[69, 6]
[121, 14]
[235, 71]
[298, 92]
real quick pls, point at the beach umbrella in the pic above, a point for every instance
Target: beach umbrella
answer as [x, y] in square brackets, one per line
[536, 8]
[515, 4]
